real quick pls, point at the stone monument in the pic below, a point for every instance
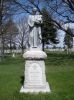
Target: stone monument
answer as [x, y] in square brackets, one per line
[35, 78]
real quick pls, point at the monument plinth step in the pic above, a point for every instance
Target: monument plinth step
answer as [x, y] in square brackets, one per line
[34, 53]
[38, 89]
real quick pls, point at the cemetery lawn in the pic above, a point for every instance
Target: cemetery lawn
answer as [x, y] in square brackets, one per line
[59, 72]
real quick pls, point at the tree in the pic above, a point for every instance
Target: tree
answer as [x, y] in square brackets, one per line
[22, 37]
[70, 6]
[48, 29]
[1, 18]
[61, 12]
[6, 10]
[68, 40]
[10, 31]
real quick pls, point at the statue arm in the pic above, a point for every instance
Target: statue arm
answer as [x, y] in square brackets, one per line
[38, 20]
[30, 21]
[40, 36]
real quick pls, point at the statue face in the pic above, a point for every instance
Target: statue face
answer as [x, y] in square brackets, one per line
[34, 10]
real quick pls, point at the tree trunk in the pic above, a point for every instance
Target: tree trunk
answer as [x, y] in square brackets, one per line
[22, 50]
[1, 47]
[22, 47]
[1, 34]
[10, 43]
[43, 44]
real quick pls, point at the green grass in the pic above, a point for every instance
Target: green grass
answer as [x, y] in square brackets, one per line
[59, 72]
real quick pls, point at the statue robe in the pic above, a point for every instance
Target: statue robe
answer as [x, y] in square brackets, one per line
[35, 30]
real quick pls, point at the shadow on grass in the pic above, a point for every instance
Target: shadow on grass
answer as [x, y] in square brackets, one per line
[22, 80]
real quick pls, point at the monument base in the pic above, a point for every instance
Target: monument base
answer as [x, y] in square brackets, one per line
[30, 89]
[35, 78]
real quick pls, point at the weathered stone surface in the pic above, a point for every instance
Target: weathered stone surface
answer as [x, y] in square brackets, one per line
[34, 53]
[35, 78]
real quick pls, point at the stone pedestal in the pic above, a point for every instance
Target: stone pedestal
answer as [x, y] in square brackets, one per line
[35, 78]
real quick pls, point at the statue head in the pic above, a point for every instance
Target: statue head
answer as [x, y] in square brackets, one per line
[34, 10]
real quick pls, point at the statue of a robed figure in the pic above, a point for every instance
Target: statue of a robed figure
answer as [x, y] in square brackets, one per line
[35, 22]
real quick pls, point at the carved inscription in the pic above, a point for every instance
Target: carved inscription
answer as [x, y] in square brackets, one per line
[35, 74]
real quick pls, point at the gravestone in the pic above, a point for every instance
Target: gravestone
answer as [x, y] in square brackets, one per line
[13, 55]
[35, 78]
